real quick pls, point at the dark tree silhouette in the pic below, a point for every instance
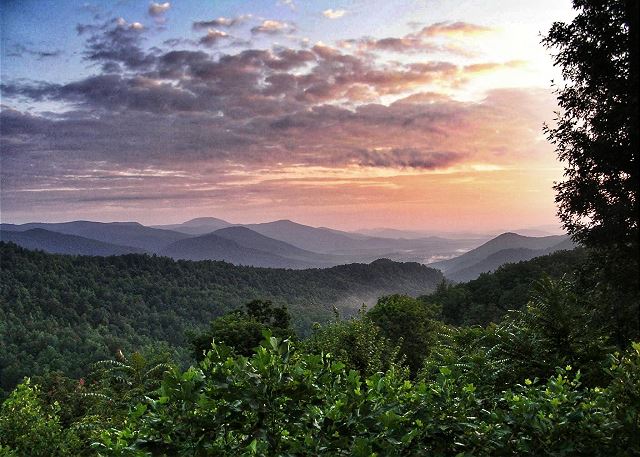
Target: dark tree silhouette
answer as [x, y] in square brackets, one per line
[597, 129]
[596, 136]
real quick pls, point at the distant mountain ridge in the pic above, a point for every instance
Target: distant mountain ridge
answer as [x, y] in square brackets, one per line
[506, 248]
[59, 243]
[131, 234]
[197, 226]
[282, 244]
[243, 246]
[304, 237]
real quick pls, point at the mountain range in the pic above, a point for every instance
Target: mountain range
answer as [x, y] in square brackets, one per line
[281, 244]
[506, 248]
[59, 243]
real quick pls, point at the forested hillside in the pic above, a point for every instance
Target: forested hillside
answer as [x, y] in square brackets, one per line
[63, 312]
[488, 298]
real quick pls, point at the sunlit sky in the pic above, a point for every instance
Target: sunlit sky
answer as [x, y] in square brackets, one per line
[416, 114]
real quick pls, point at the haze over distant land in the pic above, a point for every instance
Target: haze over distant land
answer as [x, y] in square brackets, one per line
[284, 244]
[416, 116]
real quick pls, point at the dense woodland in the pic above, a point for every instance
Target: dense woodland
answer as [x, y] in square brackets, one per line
[538, 358]
[394, 379]
[63, 312]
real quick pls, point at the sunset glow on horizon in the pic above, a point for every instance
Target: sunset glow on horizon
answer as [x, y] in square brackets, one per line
[422, 115]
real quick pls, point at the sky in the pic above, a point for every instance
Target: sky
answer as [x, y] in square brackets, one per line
[413, 114]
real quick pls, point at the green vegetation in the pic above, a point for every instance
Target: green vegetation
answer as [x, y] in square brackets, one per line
[63, 313]
[545, 362]
[285, 399]
[242, 329]
[488, 298]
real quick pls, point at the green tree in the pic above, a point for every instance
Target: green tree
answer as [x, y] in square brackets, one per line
[131, 377]
[242, 329]
[357, 342]
[409, 323]
[553, 330]
[597, 129]
[597, 138]
[28, 427]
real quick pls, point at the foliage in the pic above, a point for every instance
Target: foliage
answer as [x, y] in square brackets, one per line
[624, 394]
[278, 402]
[409, 323]
[242, 329]
[598, 201]
[553, 330]
[465, 351]
[64, 313]
[130, 378]
[489, 297]
[479, 394]
[29, 427]
[357, 342]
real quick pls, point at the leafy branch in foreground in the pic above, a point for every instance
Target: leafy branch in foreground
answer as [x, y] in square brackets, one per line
[283, 402]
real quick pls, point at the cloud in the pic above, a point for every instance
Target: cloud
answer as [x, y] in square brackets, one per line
[453, 29]
[333, 14]
[116, 42]
[289, 3]
[273, 27]
[221, 22]
[158, 9]
[440, 37]
[408, 45]
[213, 37]
[279, 151]
[19, 50]
[485, 67]
[220, 125]
[406, 158]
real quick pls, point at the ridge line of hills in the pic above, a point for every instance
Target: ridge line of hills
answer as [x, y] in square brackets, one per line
[279, 244]
[83, 308]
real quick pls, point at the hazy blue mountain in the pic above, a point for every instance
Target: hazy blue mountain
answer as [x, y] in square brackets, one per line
[305, 237]
[119, 233]
[507, 240]
[565, 245]
[493, 262]
[59, 243]
[506, 248]
[302, 245]
[383, 232]
[197, 226]
[215, 247]
[250, 239]
[358, 247]
[393, 233]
